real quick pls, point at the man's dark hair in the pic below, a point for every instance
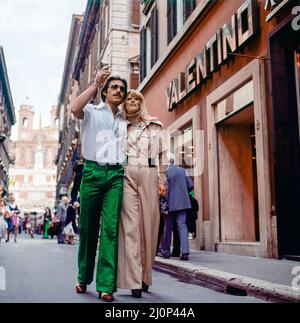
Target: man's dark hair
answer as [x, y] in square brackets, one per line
[107, 83]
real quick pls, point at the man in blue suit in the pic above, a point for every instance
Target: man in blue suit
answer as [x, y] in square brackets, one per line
[179, 185]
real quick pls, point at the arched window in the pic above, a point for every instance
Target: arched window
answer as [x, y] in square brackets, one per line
[39, 158]
[25, 123]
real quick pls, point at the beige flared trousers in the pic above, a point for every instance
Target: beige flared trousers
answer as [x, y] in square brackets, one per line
[138, 227]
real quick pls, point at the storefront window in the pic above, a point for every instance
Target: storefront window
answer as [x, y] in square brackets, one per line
[182, 147]
[188, 148]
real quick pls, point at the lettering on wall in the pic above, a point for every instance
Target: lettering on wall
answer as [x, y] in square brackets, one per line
[271, 4]
[229, 39]
[275, 6]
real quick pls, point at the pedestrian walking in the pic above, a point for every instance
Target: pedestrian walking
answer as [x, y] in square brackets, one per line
[145, 180]
[54, 224]
[3, 213]
[191, 218]
[77, 173]
[15, 222]
[163, 208]
[47, 222]
[40, 224]
[32, 224]
[103, 137]
[3, 224]
[71, 228]
[62, 215]
[179, 184]
[192, 215]
[13, 219]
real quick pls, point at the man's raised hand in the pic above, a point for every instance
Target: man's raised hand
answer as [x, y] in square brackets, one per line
[102, 75]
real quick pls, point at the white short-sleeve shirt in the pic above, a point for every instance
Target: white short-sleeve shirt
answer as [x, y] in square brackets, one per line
[103, 136]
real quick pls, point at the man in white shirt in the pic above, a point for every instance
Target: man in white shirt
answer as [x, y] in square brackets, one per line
[103, 136]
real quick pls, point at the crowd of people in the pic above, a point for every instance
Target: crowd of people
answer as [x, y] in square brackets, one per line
[48, 224]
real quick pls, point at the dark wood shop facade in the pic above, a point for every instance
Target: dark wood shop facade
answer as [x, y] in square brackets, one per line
[226, 86]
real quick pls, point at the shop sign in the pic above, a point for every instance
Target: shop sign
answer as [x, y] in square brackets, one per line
[274, 6]
[229, 39]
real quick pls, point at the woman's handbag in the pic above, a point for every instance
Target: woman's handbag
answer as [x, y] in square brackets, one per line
[68, 230]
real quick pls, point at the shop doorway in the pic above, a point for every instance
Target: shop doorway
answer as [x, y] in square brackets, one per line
[238, 165]
[238, 198]
[285, 80]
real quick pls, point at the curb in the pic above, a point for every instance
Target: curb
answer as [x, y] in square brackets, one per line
[229, 282]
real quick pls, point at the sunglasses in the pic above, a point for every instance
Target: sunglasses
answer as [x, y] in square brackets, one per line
[116, 86]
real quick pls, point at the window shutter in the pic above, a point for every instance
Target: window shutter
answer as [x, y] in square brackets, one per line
[172, 19]
[102, 31]
[188, 8]
[143, 66]
[135, 12]
[147, 5]
[154, 35]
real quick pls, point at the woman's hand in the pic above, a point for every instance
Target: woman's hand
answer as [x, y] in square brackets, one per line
[162, 189]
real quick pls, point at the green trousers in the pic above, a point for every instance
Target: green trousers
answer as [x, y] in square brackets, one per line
[46, 228]
[101, 193]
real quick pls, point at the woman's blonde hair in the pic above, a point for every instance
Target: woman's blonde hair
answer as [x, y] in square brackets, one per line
[144, 112]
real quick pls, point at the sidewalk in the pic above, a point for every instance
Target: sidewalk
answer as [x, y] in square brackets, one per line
[269, 279]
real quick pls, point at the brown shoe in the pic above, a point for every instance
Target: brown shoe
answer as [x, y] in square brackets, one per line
[105, 297]
[80, 289]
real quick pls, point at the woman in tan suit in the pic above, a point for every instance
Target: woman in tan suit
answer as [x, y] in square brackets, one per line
[145, 180]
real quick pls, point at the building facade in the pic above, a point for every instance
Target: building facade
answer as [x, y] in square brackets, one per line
[33, 175]
[69, 144]
[7, 120]
[225, 75]
[109, 35]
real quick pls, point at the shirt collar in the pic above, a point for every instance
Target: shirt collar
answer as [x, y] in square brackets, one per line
[103, 105]
[148, 122]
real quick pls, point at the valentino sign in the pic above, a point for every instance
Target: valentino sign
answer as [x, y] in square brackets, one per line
[229, 39]
[274, 6]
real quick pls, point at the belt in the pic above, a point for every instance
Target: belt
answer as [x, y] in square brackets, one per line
[151, 163]
[103, 164]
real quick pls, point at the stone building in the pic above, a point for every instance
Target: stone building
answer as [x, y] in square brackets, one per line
[33, 175]
[109, 35]
[69, 145]
[7, 120]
